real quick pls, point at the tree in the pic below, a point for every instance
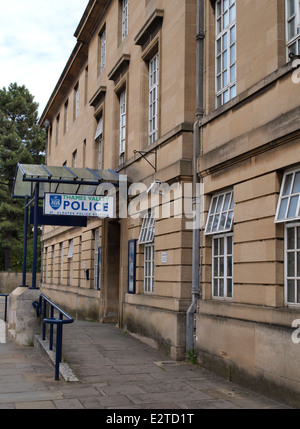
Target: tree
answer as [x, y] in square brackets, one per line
[23, 141]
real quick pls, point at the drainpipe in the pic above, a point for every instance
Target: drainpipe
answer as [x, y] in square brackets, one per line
[196, 293]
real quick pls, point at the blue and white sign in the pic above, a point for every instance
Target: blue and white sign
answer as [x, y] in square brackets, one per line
[79, 205]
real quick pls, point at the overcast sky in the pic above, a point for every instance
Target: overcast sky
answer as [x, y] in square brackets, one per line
[36, 40]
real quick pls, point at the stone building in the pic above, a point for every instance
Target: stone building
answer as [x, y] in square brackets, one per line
[249, 164]
[170, 94]
[125, 102]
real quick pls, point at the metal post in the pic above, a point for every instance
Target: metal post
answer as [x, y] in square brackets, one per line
[35, 235]
[25, 242]
[58, 349]
[51, 330]
[44, 317]
[5, 309]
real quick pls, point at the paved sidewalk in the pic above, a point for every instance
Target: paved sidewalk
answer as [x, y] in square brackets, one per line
[115, 371]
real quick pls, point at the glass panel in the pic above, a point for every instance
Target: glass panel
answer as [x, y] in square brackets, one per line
[287, 185]
[232, 13]
[229, 245]
[232, 35]
[229, 266]
[224, 60]
[291, 264]
[229, 288]
[216, 287]
[291, 238]
[232, 54]
[226, 96]
[290, 8]
[233, 91]
[298, 264]
[225, 20]
[225, 78]
[221, 293]
[232, 73]
[298, 291]
[296, 187]
[222, 240]
[221, 267]
[219, 65]
[298, 238]
[216, 222]
[224, 41]
[229, 220]
[293, 207]
[282, 210]
[227, 201]
[291, 291]
[223, 222]
[291, 28]
[216, 247]
[216, 267]
[209, 223]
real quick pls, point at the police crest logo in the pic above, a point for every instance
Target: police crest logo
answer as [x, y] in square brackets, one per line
[55, 201]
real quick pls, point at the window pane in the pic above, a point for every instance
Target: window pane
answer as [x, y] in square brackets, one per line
[293, 207]
[227, 201]
[291, 238]
[232, 54]
[296, 187]
[229, 245]
[216, 247]
[232, 13]
[221, 285]
[221, 267]
[291, 28]
[232, 35]
[290, 8]
[233, 91]
[216, 270]
[283, 207]
[291, 264]
[298, 264]
[298, 291]
[287, 185]
[291, 291]
[229, 220]
[216, 222]
[229, 288]
[216, 287]
[229, 266]
[225, 20]
[226, 96]
[221, 251]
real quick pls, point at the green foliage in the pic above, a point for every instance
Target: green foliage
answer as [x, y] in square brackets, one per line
[23, 141]
[191, 357]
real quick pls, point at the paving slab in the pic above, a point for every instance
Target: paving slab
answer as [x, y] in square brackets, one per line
[114, 371]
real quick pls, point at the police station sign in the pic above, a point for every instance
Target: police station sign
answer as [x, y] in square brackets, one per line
[79, 205]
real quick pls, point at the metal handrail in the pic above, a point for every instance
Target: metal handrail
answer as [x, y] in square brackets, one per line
[5, 295]
[41, 308]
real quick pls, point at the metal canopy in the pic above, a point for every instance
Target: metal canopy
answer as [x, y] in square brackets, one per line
[60, 180]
